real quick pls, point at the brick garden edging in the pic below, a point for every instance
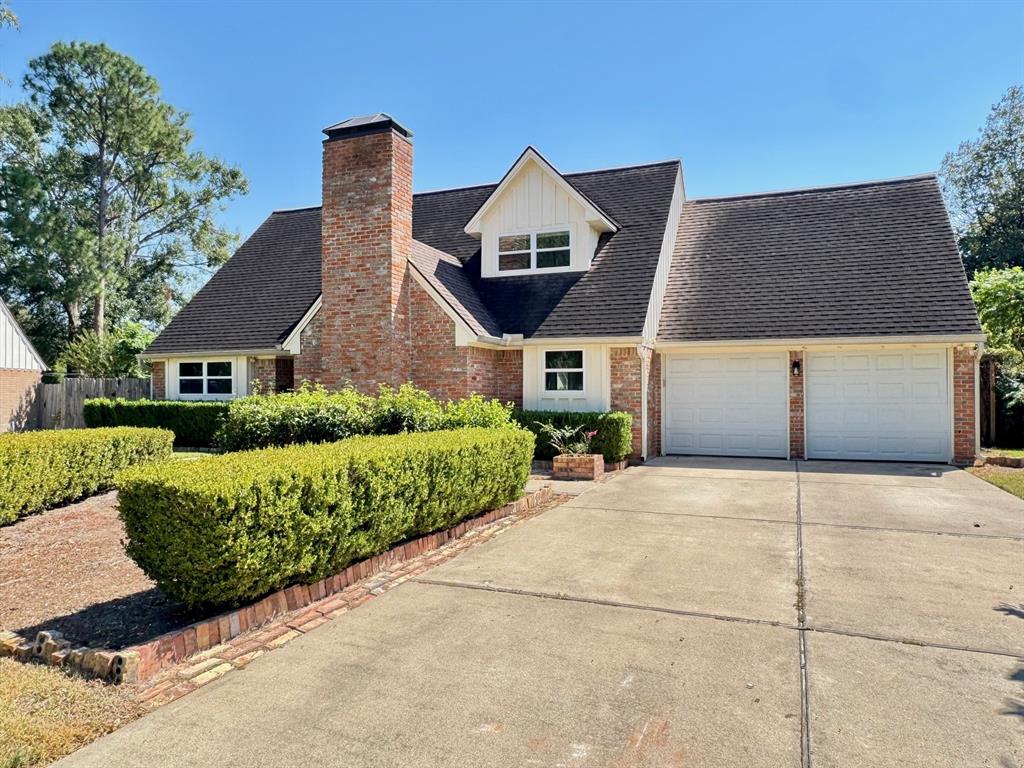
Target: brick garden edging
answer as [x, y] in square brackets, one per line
[542, 465]
[1003, 461]
[140, 662]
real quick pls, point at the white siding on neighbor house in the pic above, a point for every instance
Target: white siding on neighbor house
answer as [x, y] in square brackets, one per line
[240, 375]
[596, 392]
[535, 201]
[16, 350]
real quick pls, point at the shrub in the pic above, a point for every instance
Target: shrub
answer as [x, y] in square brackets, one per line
[309, 415]
[315, 415]
[614, 438]
[227, 529]
[43, 469]
[193, 422]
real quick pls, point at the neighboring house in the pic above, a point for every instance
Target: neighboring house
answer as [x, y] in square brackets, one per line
[21, 369]
[832, 322]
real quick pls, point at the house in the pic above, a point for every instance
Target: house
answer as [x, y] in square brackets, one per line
[832, 322]
[21, 370]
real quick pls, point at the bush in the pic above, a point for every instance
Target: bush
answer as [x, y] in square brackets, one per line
[614, 438]
[315, 415]
[193, 422]
[43, 469]
[228, 529]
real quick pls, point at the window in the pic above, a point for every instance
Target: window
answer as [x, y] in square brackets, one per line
[563, 371]
[540, 250]
[212, 378]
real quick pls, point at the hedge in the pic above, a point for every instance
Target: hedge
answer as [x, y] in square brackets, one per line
[193, 422]
[614, 436]
[223, 530]
[43, 469]
[314, 415]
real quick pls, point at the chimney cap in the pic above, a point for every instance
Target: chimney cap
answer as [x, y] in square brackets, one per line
[360, 126]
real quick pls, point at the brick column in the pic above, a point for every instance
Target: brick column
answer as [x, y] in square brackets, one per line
[964, 411]
[797, 450]
[158, 379]
[624, 370]
[654, 406]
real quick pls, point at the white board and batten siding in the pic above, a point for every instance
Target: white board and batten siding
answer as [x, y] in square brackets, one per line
[16, 351]
[889, 405]
[596, 394]
[726, 404]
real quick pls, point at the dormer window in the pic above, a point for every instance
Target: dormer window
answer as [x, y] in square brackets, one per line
[534, 250]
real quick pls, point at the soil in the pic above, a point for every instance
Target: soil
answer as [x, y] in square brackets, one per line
[66, 569]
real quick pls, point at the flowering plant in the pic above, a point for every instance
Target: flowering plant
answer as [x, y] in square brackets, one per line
[568, 441]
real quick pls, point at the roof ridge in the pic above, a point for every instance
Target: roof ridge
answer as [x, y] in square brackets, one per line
[671, 161]
[295, 210]
[821, 188]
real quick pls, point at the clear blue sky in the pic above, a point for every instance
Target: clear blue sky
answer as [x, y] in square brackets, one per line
[751, 97]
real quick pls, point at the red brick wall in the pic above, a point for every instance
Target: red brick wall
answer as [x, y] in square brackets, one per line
[796, 406]
[158, 380]
[17, 398]
[964, 414]
[654, 406]
[264, 371]
[366, 236]
[626, 389]
[496, 373]
[308, 362]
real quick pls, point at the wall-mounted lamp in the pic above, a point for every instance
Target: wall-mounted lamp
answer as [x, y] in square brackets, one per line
[796, 367]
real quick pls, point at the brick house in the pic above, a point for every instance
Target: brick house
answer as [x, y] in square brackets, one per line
[21, 370]
[832, 322]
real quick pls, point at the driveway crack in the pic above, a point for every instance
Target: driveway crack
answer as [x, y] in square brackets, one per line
[801, 620]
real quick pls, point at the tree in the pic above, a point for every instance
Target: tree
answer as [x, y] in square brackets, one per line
[983, 181]
[108, 356]
[7, 19]
[999, 296]
[103, 204]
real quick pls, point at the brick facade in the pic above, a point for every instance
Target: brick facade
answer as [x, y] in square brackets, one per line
[274, 374]
[654, 406]
[624, 375]
[366, 235]
[796, 406]
[18, 398]
[307, 365]
[964, 405]
[158, 380]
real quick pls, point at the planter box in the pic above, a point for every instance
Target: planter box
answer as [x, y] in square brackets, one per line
[589, 466]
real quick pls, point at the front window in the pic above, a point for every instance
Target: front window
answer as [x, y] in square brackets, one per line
[212, 378]
[563, 371]
[538, 250]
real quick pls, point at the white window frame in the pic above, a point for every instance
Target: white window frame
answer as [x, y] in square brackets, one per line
[205, 378]
[532, 234]
[582, 370]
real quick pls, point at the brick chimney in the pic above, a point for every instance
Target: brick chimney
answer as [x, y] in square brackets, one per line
[366, 231]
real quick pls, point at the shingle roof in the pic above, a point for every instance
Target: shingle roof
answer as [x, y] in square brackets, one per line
[255, 300]
[872, 259]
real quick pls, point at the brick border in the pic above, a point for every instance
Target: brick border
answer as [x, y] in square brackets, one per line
[338, 593]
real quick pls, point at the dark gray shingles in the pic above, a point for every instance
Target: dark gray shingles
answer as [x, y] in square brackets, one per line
[864, 260]
[446, 275]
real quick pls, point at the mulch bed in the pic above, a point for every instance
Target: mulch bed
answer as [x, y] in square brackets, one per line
[65, 569]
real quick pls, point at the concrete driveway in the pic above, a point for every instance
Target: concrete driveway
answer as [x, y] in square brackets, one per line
[692, 612]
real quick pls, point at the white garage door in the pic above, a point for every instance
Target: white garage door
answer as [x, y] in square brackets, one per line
[886, 405]
[726, 404]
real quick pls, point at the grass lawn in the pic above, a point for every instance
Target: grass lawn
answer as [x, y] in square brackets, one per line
[1010, 480]
[1016, 452]
[46, 714]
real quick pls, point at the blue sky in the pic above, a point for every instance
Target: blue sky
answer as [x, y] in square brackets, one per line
[751, 97]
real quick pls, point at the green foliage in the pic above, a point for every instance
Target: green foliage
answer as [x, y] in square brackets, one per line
[983, 181]
[568, 440]
[111, 355]
[43, 469]
[999, 296]
[193, 422]
[314, 415]
[228, 529]
[614, 438]
[106, 212]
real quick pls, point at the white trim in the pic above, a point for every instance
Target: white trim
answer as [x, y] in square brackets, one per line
[668, 245]
[464, 335]
[951, 403]
[205, 378]
[592, 214]
[533, 250]
[806, 343]
[293, 343]
[582, 370]
[977, 399]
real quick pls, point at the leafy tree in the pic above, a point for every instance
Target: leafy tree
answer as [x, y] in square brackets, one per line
[999, 297]
[104, 207]
[984, 183]
[7, 19]
[108, 356]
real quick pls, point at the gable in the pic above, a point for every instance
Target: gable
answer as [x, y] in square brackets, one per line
[16, 351]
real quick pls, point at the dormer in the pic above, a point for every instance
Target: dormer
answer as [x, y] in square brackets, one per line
[537, 222]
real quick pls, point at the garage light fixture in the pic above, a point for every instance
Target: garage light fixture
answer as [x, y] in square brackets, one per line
[796, 367]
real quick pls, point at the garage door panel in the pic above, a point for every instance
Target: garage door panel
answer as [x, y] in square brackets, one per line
[739, 400]
[878, 405]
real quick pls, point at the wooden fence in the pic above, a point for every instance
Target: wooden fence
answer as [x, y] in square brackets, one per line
[59, 406]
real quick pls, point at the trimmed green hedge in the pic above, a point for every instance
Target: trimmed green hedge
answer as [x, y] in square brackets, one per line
[614, 436]
[316, 415]
[193, 422]
[43, 469]
[228, 529]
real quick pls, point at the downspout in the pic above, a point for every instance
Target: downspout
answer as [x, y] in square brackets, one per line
[977, 399]
[643, 351]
